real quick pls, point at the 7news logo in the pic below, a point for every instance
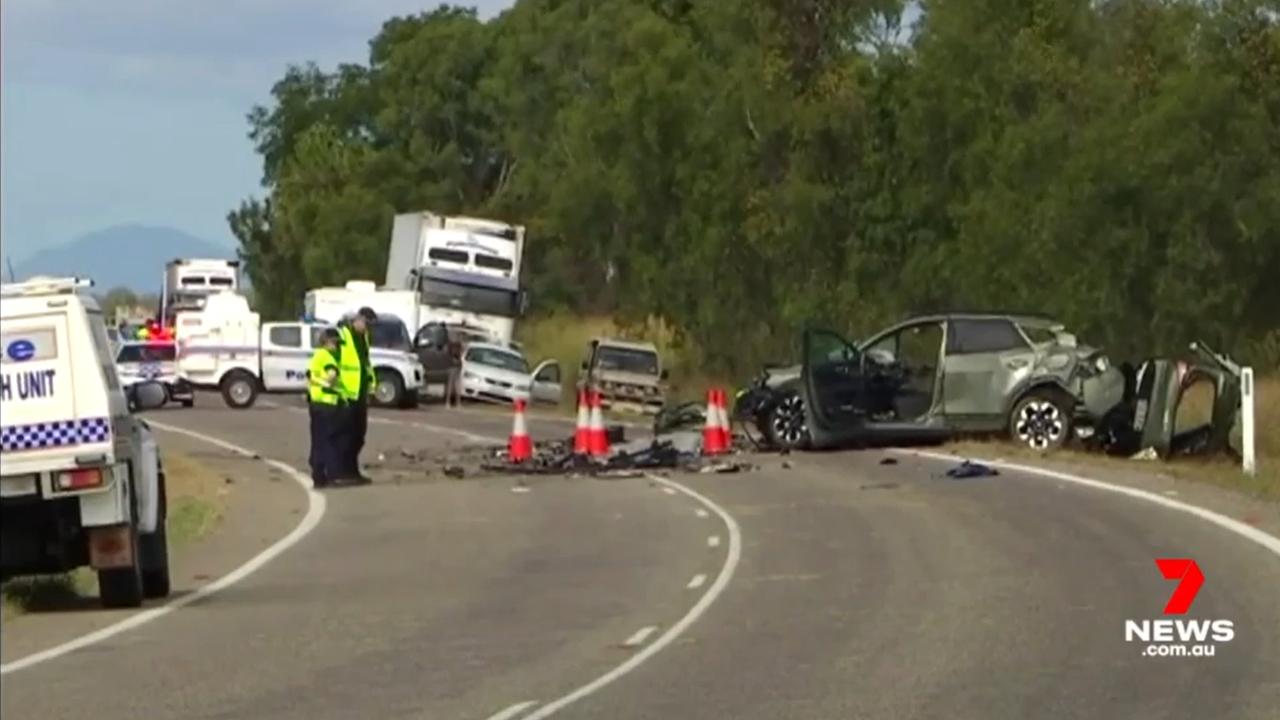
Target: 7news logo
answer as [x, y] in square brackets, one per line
[1180, 638]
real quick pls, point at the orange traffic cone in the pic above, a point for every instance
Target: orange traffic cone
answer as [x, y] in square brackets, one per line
[726, 430]
[582, 433]
[599, 438]
[520, 447]
[712, 436]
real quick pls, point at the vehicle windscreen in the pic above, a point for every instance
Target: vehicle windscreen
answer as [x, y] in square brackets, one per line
[470, 298]
[627, 360]
[146, 353]
[498, 359]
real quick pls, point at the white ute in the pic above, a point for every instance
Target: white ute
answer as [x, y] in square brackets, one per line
[226, 347]
[81, 481]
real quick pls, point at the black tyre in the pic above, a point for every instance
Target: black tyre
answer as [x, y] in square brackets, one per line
[122, 587]
[1041, 419]
[154, 549]
[239, 389]
[784, 425]
[388, 388]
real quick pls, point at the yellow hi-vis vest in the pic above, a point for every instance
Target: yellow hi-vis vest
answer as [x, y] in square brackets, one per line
[349, 366]
[320, 389]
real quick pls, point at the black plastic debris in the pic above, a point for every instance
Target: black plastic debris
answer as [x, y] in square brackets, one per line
[880, 486]
[969, 469]
[455, 471]
[888, 461]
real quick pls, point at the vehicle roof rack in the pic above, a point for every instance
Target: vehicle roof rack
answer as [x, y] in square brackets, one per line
[45, 285]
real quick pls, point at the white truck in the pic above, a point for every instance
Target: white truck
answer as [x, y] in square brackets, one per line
[465, 271]
[226, 346]
[189, 281]
[81, 480]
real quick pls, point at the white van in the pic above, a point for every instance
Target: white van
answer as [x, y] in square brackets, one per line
[81, 481]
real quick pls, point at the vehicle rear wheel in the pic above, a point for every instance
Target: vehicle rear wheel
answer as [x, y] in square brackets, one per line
[154, 549]
[1041, 420]
[388, 389]
[784, 424]
[239, 389]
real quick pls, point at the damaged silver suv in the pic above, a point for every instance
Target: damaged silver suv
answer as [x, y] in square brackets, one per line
[932, 377]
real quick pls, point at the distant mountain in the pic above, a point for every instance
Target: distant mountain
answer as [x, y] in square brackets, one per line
[131, 256]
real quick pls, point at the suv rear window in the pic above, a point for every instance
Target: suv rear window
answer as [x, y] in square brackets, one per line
[970, 337]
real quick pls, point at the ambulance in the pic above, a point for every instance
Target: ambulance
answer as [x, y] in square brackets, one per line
[81, 480]
[225, 346]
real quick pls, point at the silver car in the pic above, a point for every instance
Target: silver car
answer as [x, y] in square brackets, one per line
[935, 376]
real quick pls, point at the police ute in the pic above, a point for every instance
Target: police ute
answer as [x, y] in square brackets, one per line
[225, 346]
[81, 482]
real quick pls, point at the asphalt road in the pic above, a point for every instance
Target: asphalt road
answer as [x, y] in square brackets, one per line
[837, 588]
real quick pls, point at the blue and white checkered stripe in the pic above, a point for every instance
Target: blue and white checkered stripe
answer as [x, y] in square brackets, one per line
[56, 433]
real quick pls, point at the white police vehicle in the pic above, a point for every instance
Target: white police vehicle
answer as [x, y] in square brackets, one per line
[81, 482]
[226, 346]
[149, 361]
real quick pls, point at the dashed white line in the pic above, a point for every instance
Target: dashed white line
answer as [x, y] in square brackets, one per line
[641, 635]
[700, 513]
[713, 541]
[697, 581]
[668, 491]
[513, 711]
[315, 511]
[717, 588]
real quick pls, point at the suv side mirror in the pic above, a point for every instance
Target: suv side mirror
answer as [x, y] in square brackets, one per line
[665, 374]
[583, 366]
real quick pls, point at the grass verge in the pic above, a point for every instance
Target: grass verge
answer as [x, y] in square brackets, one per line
[196, 502]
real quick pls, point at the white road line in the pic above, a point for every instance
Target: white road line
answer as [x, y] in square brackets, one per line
[473, 437]
[315, 511]
[676, 630]
[513, 711]
[713, 541]
[731, 560]
[641, 635]
[668, 491]
[1266, 540]
[697, 581]
[700, 513]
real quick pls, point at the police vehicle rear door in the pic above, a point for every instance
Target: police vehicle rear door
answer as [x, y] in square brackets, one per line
[284, 356]
[46, 424]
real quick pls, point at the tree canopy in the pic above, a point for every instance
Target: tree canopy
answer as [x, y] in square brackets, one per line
[748, 168]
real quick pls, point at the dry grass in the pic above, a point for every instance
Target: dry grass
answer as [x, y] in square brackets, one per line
[196, 503]
[565, 338]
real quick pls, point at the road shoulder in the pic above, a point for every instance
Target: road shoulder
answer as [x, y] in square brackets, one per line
[257, 506]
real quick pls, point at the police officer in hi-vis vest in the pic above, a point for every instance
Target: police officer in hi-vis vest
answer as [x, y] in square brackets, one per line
[325, 402]
[357, 379]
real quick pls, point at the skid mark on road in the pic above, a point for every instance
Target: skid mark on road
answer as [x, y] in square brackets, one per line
[315, 511]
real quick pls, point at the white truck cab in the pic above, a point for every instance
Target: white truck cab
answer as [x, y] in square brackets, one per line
[225, 347]
[81, 482]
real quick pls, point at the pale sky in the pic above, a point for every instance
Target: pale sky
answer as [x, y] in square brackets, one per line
[133, 111]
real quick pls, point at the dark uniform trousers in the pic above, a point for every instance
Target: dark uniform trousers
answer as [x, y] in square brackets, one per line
[327, 442]
[356, 427]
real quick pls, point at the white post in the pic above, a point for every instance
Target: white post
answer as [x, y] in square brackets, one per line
[1247, 448]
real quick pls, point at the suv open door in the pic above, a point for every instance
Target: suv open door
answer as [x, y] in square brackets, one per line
[546, 386]
[834, 388]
